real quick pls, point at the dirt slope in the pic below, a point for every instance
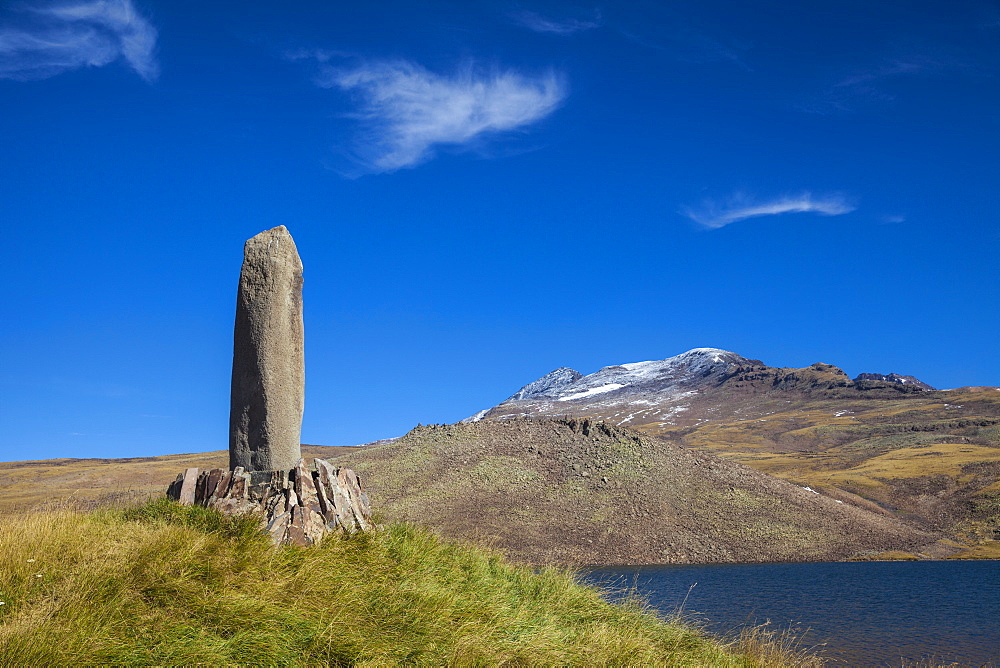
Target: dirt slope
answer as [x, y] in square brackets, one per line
[580, 492]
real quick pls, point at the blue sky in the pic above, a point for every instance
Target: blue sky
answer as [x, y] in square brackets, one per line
[482, 192]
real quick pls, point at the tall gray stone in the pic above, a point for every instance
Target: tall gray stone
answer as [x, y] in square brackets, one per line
[268, 389]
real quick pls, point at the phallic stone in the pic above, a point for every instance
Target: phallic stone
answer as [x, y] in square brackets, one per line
[188, 487]
[268, 383]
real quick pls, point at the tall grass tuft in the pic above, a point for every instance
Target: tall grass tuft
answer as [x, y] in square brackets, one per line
[167, 584]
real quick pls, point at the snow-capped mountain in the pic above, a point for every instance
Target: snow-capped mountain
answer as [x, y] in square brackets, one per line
[663, 392]
[623, 392]
[661, 377]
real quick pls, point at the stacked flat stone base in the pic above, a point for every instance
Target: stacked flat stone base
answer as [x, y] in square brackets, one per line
[298, 506]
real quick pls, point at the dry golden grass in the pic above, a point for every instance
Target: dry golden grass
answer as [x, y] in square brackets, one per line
[166, 584]
[939, 459]
[987, 550]
[90, 482]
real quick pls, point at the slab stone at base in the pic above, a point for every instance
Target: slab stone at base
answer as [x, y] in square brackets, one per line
[297, 506]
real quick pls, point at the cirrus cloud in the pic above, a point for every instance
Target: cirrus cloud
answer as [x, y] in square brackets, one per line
[714, 215]
[408, 112]
[56, 38]
[569, 26]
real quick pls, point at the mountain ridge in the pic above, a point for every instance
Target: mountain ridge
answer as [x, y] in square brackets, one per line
[691, 370]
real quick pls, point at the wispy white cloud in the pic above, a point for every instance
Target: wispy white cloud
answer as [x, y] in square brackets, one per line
[889, 69]
[678, 31]
[714, 215]
[688, 44]
[409, 111]
[55, 38]
[879, 82]
[568, 26]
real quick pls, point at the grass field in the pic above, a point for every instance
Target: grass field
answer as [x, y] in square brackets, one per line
[167, 584]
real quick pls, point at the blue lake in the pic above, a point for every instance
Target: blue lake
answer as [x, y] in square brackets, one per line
[856, 614]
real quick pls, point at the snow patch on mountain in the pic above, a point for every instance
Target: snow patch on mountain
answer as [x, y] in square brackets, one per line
[592, 391]
[477, 417]
[549, 385]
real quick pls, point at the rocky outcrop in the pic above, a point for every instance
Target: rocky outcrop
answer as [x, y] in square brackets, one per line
[268, 385]
[548, 385]
[297, 506]
[873, 378]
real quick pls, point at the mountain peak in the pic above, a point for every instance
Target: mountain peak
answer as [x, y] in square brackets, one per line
[673, 374]
[548, 385]
[675, 390]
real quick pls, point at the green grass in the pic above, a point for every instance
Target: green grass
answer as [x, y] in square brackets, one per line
[166, 584]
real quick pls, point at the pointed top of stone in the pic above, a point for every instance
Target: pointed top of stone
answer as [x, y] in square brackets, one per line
[276, 243]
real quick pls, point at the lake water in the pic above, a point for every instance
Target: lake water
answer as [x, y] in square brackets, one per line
[856, 614]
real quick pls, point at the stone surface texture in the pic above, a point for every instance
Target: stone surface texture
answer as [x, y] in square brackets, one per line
[268, 385]
[297, 506]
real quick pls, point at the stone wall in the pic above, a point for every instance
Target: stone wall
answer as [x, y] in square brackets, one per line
[297, 506]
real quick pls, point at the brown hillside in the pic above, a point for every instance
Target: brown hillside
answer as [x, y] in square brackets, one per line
[582, 492]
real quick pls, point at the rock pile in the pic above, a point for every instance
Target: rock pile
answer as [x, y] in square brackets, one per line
[297, 506]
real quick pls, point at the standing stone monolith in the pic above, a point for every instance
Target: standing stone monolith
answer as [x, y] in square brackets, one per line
[268, 390]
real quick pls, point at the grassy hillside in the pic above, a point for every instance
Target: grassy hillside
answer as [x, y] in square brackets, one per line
[930, 456]
[165, 584]
[577, 492]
